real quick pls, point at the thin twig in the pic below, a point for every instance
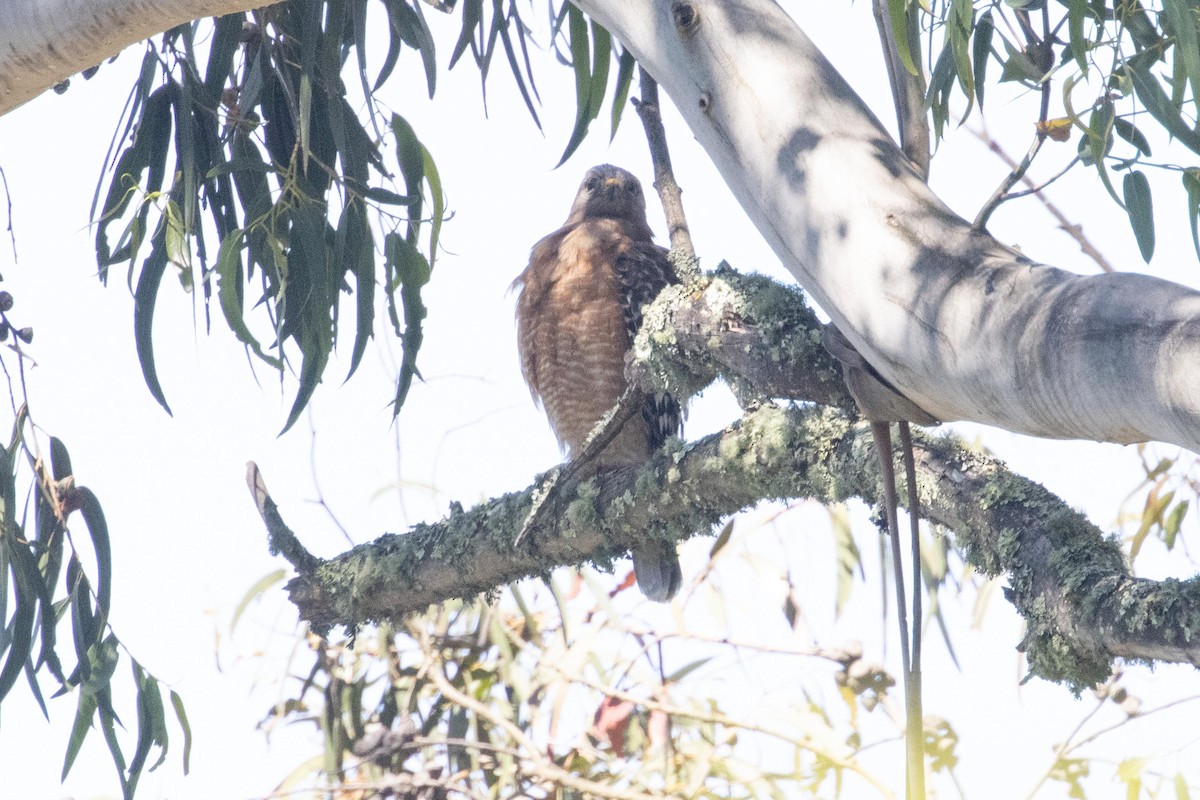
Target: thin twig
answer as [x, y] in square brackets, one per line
[717, 718]
[1072, 229]
[669, 192]
[542, 767]
[1000, 195]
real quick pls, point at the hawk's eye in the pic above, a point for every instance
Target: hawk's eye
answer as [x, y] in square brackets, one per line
[632, 188]
[590, 184]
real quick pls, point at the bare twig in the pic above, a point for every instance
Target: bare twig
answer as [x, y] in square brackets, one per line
[1010, 180]
[664, 179]
[532, 761]
[1072, 229]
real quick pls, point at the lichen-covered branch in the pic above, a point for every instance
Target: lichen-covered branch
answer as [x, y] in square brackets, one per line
[1070, 582]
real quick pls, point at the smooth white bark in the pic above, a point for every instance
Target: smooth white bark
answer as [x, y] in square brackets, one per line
[964, 326]
[44, 41]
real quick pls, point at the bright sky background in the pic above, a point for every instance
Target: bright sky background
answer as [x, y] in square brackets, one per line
[188, 542]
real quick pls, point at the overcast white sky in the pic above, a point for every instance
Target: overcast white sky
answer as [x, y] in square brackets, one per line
[188, 543]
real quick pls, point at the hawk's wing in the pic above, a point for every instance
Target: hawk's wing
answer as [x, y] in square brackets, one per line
[533, 287]
[643, 271]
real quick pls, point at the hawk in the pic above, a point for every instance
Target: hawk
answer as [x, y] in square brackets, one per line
[579, 306]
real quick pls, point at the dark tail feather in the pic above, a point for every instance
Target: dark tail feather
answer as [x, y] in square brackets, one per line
[657, 569]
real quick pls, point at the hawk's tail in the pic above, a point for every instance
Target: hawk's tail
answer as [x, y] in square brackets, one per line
[657, 569]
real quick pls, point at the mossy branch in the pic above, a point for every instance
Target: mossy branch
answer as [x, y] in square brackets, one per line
[1070, 582]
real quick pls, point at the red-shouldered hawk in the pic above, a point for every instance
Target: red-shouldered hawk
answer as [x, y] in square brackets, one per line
[580, 304]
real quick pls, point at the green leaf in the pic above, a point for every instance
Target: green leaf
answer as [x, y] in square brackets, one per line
[20, 627]
[958, 39]
[621, 92]
[1020, 67]
[982, 51]
[590, 57]
[355, 243]
[1076, 12]
[151, 727]
[1182, 16]
[411, 271]
[229, 280]
[143, 319]
[937, 96]
[108, 726]
[226, 39]
[84, 714]
[1191, 183]
[411, 158]
[257, 590]
[1129, 132]
[148, 152]
[60, 459]
[849, 559]
[1172, 523]
[500, 26]
[472, 17]
[93, 518]
[898, 14]
[1140, 208]
[687, 669]
[1150, 94]
[181, 716]
[314, 356]
[415, 33]
[394, 46]
[438, 198]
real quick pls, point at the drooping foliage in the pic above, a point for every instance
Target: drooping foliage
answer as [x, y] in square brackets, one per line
[1122, 72]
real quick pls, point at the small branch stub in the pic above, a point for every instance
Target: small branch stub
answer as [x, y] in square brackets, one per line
[686, 18]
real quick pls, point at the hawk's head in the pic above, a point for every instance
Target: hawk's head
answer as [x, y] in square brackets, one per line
[609, 191]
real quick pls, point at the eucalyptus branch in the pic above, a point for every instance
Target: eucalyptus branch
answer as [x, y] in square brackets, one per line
[1072, 229]
[1010, 180]
[669, 192]
[908, 90]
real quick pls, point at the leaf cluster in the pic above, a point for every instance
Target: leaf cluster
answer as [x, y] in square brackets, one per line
[272, 161]
[466, 694]
[1137, 63]
[48, 580]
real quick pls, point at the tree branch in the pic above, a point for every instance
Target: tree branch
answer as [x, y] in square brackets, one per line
[44, 41]
[1082, 606]
[1071, 584]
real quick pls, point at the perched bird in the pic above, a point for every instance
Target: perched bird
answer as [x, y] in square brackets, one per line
[580, 304]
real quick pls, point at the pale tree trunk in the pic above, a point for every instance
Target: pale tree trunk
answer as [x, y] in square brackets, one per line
[44, 41]
[964, 326]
